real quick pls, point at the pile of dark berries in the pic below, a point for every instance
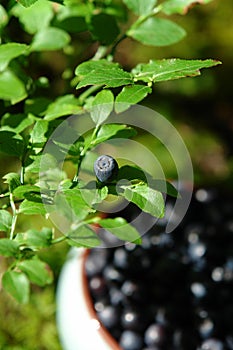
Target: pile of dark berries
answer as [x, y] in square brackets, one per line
[175, 291]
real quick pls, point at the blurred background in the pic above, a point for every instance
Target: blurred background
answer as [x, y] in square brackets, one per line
[200, 108]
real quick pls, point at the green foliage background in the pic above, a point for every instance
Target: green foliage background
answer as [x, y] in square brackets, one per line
[200, 108]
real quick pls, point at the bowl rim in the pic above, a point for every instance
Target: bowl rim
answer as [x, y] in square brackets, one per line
[90, 307]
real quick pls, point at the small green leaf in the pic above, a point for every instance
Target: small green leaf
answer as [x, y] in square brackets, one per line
[28, 207]
[83, 236]
[72, 204]
[102, 106]
[50, 39]
[16, 122]
[104, 28]
[36, 239]
[121, 229]
[109, 77]
[87, 67]
[37, 271]
[157, 32]
[38, 133]
[180, 6]
[92, 194]
[9, 247]
[11, 87]
[13, 181]
[21, 191]
[73, 18]
[130, 95]
[37, 106]
[140, 7]
[10, 51]
[11, 143]
[5, 220]
[62, 106]
[36, 17]
[129, 172]
[169, 69]
[110, 131]
[27, 3]
[16, 284]
[147, 199]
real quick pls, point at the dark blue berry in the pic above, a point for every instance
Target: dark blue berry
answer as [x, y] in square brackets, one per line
[212, 344]
[130, 340]
[155, 334]
[105, 168]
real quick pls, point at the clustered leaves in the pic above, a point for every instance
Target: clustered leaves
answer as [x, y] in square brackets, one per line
[31, 113]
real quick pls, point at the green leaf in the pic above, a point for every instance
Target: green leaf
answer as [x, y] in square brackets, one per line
[3, 17]
[87, 67]
[36, 239]
[109, 77]
[37, 271]
[140, 7]
[5, 220]
[121, 229]
[73, 18]
[157, 32]
[27, 3]
[36, 17]
[130, 95]
[11, 143]
[83, 236]
[10, 51]
[22, 190]
[9, 247]
[147, 199]
[62, 106]
[130, 173]
[13, 181]
[180, 6]
[11, 87]
[102, 106]
[38, 133]
[72, 204]
[16, 284]
[92, 194]
[50, 39]
[104, 28]
[169, 69]
[28, 207]
[16, 122]
[110, 131]
[37, 106]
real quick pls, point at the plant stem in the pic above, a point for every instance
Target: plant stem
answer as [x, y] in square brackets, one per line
[88, 92]
[14, 216]
[59, 239]
[84, 151]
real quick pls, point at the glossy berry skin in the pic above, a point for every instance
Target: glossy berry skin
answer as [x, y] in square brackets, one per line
[105, 168]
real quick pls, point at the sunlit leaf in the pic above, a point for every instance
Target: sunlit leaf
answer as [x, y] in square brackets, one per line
[169, 69]
[140, 7]
[8, 247]
[10, 51]
[37, 271]
[11, 87]
[130, 95]
[102, 106]
[120, 228]
[157, 32]
[16, 284]
[50, 39]
[180, 6]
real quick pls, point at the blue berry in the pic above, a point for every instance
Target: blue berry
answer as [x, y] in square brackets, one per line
[105, 168]
[130, 340]
[212, 344]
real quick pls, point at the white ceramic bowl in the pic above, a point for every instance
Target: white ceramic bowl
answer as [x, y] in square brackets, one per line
[78, 327]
